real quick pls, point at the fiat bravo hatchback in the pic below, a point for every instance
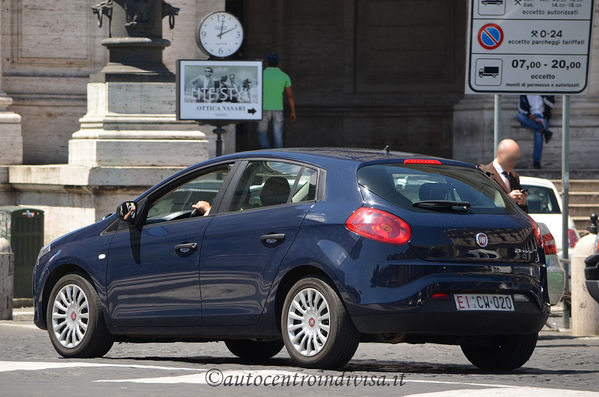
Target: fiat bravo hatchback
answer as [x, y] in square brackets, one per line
[314, 250]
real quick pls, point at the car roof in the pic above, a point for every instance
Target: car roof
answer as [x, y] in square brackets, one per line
[319, 157]
[530, 180]
[345, 154]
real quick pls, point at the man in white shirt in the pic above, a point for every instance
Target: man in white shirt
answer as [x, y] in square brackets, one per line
[501, 170]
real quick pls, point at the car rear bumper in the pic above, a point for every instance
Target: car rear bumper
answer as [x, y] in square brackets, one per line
[442, 318]
[398, 298]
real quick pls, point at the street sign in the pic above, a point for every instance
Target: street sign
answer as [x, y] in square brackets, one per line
[529, 46]
[219, 90]
[490, 36]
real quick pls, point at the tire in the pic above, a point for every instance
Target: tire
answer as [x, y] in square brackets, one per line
[505, 353]
[323, 335]
[75, 321]
[254, 351]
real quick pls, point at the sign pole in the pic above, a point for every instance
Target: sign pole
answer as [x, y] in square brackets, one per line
[565, 173]
[219, 131]
[565, 196]
[496, 122]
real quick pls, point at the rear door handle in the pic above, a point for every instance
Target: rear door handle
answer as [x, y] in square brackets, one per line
[272, 239]
[185, 249]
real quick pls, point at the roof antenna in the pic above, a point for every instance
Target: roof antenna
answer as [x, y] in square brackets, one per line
[387, 149]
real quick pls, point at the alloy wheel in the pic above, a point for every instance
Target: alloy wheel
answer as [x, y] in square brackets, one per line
[70, 315]
[308, 322]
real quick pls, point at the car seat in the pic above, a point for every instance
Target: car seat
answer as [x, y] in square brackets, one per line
[275, 191]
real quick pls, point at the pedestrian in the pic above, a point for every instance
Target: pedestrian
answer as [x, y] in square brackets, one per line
[501, 170]
[534, 112]
[275, 83]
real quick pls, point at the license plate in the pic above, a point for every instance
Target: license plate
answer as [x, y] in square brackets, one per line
[484, 302]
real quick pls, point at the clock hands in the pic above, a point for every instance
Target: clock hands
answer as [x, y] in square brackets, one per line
[220, 36]
[222, 26]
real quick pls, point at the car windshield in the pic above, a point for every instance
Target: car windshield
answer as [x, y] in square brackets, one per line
[541, 200]
[409, 185]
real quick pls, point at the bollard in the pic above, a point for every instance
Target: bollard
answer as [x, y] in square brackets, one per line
[585, 311]
[6, 279]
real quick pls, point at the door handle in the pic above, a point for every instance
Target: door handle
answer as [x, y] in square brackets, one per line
[185, 249]
[272, 239]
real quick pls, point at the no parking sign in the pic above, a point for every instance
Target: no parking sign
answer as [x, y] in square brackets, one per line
[490, 36]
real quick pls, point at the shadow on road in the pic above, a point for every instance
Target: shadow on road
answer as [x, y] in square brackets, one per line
[407, 367]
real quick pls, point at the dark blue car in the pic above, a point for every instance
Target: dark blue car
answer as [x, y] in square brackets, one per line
[312, 249]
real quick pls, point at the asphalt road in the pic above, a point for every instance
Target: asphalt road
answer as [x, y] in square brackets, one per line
[561, 366]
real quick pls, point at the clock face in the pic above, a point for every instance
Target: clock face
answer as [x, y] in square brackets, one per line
[220, 34]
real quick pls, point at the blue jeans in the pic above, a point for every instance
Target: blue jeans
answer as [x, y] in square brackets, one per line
[537, 127]
[277, 128]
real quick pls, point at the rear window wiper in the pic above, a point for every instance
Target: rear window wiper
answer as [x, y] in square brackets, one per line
[443, 205]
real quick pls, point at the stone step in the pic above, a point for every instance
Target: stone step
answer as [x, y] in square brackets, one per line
[555, 175]
[580, 185]
[584, 198]
[583, 210]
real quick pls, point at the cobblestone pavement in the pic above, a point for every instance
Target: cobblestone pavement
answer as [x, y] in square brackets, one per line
[561, 366]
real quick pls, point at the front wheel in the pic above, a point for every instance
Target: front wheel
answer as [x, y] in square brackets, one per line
[316, 328]
[501, 353]
[75, 321]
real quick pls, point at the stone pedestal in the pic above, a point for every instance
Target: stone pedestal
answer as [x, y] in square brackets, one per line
[134, 124]
[585, 311]
[129, 139]
[10, 133]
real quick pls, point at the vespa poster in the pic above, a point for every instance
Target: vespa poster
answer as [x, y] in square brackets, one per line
[219, 90]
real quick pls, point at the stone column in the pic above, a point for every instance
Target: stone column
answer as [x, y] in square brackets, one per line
[11, 151]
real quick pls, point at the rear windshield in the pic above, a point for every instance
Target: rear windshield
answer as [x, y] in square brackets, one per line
[541, 200]
[405, 185]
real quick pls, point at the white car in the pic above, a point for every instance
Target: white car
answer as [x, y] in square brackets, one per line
[556, 275]
[544, 206]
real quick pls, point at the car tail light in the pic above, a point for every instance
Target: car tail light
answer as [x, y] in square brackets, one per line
[421, 161]
[443, 297]
[379, 226]
[572, 237]
[537, 230]
[549, 244]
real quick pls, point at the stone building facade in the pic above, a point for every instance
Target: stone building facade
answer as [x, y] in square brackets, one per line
[365, 73]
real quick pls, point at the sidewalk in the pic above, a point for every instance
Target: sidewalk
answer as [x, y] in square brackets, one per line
[22, 314]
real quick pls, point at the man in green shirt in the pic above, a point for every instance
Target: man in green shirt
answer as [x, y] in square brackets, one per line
[275, 82]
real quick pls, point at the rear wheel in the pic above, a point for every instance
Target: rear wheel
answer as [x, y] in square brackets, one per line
[504, 353]
[316, 328]
[254, 350]
[75, 321]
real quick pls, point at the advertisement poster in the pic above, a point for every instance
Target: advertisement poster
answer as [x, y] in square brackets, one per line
[219, 90]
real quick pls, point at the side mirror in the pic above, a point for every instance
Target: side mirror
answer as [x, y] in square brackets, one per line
[127, 212]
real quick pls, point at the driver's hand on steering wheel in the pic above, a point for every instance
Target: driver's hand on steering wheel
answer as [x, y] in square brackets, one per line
[202, 206]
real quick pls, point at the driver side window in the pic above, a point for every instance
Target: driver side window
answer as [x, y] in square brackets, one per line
[177, 203]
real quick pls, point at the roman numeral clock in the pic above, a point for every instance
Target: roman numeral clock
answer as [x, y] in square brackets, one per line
[220, 34]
